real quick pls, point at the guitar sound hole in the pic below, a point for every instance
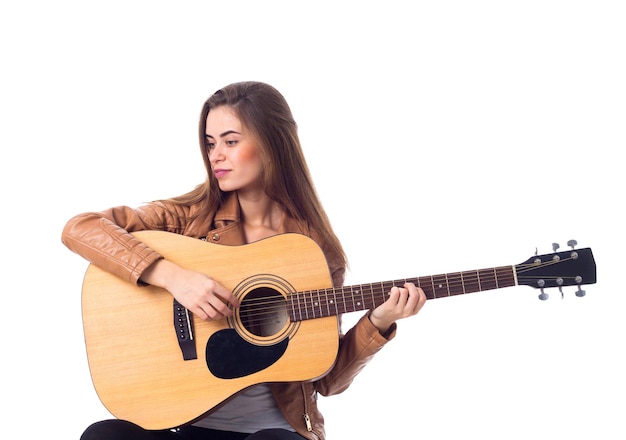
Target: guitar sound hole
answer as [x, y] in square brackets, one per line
[263, 312]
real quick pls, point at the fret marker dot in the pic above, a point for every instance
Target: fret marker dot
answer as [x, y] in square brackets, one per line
[316, 304]
[358, 303]
[332, 302]
[440, 286]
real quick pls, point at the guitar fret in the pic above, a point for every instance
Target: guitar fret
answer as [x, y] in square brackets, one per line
[293, 309]
[495, 276]
[310, 307]
[328, 303]
[425, 284]
[301, 306]
[506, 277]
[351, 300]
[319, 303]
[463, 283]
[384, 294]
[471, 282]
[342, 300]
[487, 280]
[440, 286]
[306, 308]
[307, 304]
[334, 302]
[455, 283]
[340, 303]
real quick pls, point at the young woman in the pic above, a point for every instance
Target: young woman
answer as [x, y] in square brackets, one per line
[258, 185]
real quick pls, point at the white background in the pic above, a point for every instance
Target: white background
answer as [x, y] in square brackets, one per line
[442, 135]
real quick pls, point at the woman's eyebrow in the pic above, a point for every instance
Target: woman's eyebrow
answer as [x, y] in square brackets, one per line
[226, 133]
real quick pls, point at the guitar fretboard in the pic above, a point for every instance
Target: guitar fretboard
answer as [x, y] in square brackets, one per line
[335, 301]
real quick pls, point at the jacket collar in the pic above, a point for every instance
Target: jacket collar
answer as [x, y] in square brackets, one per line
[229, 214]
[229, 210]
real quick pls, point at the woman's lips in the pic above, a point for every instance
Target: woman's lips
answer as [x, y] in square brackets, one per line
[220, 173]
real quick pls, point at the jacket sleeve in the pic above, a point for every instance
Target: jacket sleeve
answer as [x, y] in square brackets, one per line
[104, 238]
[356, 348]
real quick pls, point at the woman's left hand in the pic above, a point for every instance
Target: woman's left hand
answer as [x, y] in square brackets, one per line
[403, 302]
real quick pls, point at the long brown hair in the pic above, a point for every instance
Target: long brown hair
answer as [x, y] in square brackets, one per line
[263, 110]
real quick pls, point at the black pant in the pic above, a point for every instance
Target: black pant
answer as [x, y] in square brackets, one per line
[123, 430]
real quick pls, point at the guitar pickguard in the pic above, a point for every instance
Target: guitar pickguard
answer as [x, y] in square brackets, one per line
[229, 356]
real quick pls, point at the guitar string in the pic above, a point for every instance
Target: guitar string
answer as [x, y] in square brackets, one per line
[461, 278]
[367, 297]
[471, 280]
[315, 302]
[369, 294]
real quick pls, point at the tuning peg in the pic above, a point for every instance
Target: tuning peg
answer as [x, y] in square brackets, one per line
[559, 282]
[555, 247]
[580, 292]
[572, 243]
[543, 295]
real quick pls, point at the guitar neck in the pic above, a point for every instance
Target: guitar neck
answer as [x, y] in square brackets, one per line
[335, 301]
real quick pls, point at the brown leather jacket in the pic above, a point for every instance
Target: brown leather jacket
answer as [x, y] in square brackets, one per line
[103, 239]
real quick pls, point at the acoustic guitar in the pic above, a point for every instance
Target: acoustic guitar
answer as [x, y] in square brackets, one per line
[153, 364]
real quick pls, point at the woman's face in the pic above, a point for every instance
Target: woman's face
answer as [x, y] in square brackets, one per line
[233, 152]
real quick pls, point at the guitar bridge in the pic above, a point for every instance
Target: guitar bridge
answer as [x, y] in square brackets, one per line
[183, 326]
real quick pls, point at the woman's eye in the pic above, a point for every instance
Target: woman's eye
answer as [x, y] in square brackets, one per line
[231, 143]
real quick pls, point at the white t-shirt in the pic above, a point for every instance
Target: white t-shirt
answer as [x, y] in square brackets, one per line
[249, 411]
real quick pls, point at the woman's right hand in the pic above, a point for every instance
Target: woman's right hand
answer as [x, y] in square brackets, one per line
[199, 293]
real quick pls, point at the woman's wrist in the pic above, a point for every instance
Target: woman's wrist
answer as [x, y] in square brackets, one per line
[382, 326]
[157, 273]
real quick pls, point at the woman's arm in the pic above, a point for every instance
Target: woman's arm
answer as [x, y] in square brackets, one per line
[105, 239]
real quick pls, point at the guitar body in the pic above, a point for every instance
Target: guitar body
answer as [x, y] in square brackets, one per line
[131, 333]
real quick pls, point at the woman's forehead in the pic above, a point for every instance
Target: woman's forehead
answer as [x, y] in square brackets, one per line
[221, 119]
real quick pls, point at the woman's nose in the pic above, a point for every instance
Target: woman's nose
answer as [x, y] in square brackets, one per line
[216, 153]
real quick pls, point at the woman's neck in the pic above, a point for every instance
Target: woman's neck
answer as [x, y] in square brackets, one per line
[261, 216]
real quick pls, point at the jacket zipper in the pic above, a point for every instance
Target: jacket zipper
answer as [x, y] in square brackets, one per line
[306, 416]
[307, 420]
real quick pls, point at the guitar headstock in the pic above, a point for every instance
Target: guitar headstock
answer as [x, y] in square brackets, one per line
[575, 267]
